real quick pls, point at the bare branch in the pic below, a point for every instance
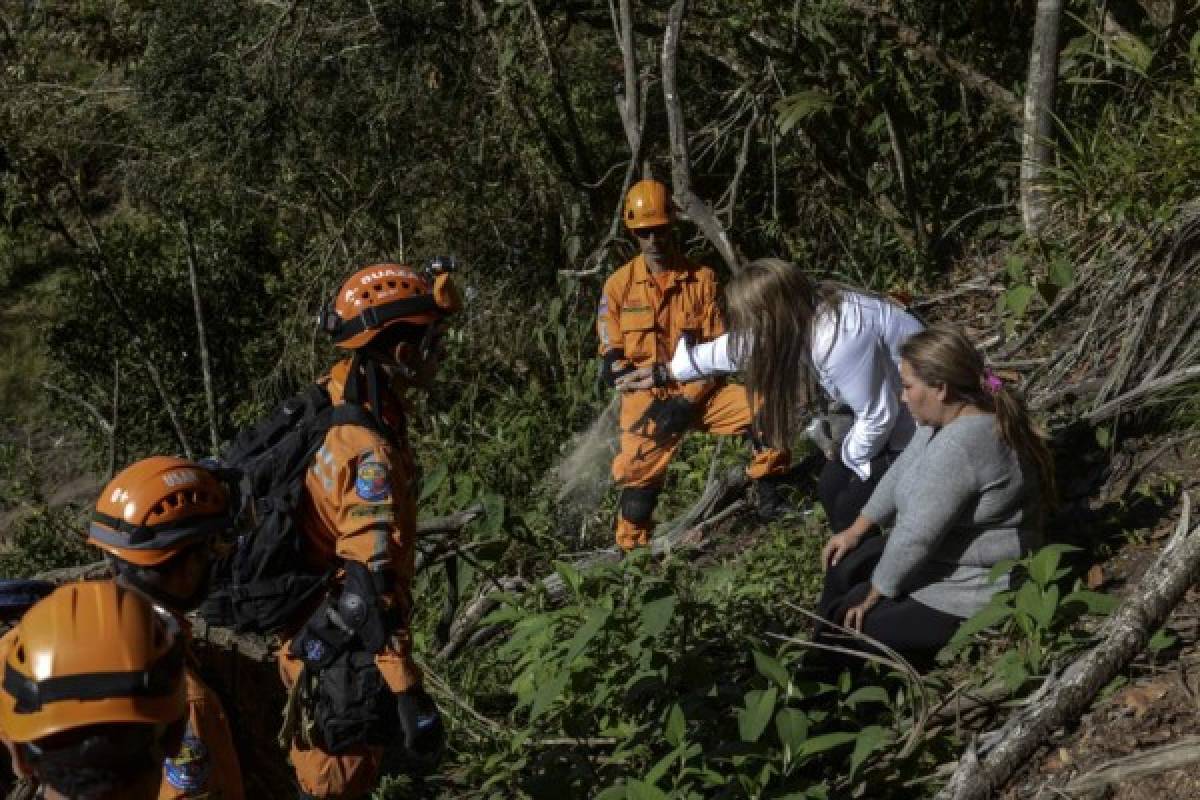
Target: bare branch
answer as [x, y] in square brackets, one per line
[681, 170]
[201, 335]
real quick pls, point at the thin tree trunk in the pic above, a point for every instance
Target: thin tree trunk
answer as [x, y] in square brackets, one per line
[1036, 149]
[681, 168]
[205, 364]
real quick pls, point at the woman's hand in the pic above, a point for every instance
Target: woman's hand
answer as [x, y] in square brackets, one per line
[640, 378]
[855, 616]
[838, 546]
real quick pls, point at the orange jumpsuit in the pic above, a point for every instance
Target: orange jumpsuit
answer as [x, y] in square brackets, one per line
[359, 505]
[645, 315]
[206, 766]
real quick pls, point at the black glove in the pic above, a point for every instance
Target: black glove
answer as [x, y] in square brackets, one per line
[422, 729]
[665, 417]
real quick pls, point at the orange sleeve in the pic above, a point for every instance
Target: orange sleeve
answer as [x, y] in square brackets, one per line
[713, 321]
[376, 523]
[608, 319]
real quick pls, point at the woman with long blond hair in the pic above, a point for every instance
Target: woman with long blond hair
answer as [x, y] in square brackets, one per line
[788, 334]
[968, 492]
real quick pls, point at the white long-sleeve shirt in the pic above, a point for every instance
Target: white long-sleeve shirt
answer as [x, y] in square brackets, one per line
[856, 353]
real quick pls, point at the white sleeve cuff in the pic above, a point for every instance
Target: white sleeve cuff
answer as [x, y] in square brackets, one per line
[703, 361]
[860, 468]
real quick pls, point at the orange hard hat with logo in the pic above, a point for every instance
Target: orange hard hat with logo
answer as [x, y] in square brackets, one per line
[155, 508]
[382, 295]
[91, 653]
[648, 205]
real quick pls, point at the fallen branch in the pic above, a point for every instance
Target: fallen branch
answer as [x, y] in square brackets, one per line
[1149, 762]
[991, 759]
[1118, 404]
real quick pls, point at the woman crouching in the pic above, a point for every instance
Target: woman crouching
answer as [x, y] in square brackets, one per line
[968, 492]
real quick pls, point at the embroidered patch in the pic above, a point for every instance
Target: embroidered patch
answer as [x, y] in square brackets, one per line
[314, 650]
[190, 770]
[371, 483]
[373, 511]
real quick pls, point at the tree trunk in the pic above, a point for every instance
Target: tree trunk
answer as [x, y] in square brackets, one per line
[1036, 150]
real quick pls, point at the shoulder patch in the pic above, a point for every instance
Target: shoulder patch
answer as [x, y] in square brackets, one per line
[603, 305]
[190, 770]
[371, 482]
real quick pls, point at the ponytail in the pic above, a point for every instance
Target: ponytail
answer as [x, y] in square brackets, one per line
[1017, 429]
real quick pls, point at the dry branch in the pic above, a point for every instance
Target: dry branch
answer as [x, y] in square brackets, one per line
[692, 206]
[1178, 754]
[992, 759]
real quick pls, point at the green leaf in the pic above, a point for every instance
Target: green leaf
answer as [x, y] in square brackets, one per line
[1029, 600]
[676, 726]
[867, 694]
[1014, 265]
[547, 692]
[795, 108]
[593, 623]
[1094, 602]
[1045, 563]
[826, 741]
[612, 793]
[771, 669]
[433, 481]
[1161, 640]
[1017, 299]
[637, 790]
[1011, 670]
[753, 719]
[1047, 606]
[983, 619]
[792, 726]
[1103, 438]
[570, 576]
[1061, 273]
[870, 739]
[656, 615]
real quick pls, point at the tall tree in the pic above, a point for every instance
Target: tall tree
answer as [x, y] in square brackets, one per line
[1036, 149]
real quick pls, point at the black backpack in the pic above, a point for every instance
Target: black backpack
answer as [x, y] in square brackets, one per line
[265, 581]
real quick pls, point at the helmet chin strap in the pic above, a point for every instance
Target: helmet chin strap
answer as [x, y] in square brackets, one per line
[130, 575]
[362, 363]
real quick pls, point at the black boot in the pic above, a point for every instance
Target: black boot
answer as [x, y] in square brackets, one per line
[771, 504]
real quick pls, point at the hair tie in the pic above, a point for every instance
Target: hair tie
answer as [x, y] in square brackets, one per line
[991, 381]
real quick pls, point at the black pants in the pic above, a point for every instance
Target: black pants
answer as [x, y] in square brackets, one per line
[843, 494]
[912, 629]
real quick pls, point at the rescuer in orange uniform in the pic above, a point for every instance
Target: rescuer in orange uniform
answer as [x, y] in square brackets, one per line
[359, 514]
[156, 521]
[648, 305]
[93, 696]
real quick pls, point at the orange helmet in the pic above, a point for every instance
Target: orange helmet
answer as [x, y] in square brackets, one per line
[382, 295]
[157, 507]
[647, 205]
[91, 653]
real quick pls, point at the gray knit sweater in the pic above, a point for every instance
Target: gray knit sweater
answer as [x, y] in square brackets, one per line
[962, 501]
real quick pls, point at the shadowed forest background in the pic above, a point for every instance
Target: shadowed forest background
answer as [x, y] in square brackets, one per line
[183, 184]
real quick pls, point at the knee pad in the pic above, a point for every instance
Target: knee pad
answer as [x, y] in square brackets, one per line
[637, 504]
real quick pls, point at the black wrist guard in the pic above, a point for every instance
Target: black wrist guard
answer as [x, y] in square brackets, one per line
[661, 374]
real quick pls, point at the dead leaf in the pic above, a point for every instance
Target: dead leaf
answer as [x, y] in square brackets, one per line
[1095, 577]
[1139, 699]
